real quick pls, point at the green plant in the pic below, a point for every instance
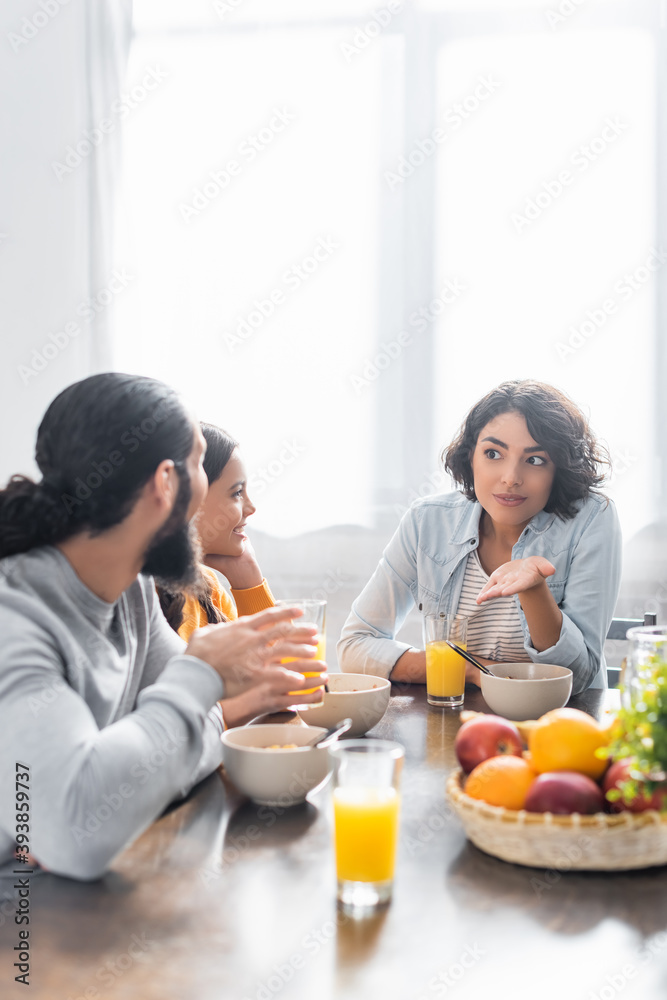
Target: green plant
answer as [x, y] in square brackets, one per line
[640, 734]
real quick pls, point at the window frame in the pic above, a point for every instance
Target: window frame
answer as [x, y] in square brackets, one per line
[406, 224]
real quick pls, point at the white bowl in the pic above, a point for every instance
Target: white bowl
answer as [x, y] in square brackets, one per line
[521, 691]
[274, 777]
[360, 697]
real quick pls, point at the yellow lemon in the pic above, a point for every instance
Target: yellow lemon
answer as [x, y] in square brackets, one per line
[566, 740]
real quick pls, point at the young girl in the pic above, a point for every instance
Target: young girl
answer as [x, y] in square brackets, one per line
[528, 550]
[220, 524]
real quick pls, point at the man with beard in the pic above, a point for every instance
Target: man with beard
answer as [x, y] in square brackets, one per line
[105, 712]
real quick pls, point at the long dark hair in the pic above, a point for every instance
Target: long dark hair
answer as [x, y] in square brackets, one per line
[98, 444]
[555, 423]
[219, 448]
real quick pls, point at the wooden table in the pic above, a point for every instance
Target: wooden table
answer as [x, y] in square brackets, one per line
[171, 922]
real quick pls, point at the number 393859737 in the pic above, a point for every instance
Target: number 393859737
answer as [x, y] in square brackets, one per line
[22, 811]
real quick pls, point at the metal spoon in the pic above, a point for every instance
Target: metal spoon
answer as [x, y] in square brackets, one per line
[470, 658]
[331, 735]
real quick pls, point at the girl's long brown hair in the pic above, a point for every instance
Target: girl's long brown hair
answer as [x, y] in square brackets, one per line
[219, 448]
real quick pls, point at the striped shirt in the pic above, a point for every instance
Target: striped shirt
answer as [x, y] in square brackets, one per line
[494, 628]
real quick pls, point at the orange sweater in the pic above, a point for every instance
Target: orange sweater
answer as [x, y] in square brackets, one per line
[245, 602]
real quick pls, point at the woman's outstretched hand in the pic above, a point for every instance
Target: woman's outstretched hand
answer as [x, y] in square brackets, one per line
[516, 577]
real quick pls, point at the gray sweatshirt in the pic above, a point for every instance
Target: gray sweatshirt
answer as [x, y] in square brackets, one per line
[101, 707]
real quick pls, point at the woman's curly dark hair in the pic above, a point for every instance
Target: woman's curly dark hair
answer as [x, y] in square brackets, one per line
[555, 423]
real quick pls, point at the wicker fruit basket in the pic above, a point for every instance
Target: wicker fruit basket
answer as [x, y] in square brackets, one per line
[600, 842]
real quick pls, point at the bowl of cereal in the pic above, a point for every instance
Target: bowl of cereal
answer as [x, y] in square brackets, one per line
[360, 697]
[521, 691]
[273, 764]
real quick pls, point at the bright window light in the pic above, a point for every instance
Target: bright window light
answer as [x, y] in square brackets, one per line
[251, 225]
[546, 211]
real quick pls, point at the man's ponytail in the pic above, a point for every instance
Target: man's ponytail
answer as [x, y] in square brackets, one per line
[31, 514]
[98, 444]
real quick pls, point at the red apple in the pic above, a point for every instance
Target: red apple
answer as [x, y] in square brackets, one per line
[564, 792]
[486, 736]
[620, 772]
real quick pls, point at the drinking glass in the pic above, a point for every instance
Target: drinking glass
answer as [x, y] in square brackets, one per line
[314, 613]
[445, 669]
[642, 686]
[366, 803]
[648, 649]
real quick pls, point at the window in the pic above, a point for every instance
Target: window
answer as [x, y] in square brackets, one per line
[335, 281]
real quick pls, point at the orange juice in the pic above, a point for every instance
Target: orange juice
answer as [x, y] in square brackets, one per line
[366, 822]
[445, 670]
[320, 655]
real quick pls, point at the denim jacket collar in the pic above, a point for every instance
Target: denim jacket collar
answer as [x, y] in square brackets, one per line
[467, 528]
[541, 522]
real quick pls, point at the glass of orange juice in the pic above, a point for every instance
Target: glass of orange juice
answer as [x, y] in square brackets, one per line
[445, 669]
[314, 613]
[366, 803]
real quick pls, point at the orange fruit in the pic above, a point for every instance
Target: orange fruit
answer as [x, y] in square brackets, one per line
[501, 781]
[566, 740]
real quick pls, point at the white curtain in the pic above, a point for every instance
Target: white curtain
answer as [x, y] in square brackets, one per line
[273, 267]
[332, 281]
[61, 70]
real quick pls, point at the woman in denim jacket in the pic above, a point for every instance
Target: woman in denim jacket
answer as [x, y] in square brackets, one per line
[529, 528]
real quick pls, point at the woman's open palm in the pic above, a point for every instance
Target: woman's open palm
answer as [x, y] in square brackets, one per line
[515, 577]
